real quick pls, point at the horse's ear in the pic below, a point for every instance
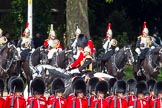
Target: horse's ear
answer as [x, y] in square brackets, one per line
[160, 51]
[124, 48]
[8, 45]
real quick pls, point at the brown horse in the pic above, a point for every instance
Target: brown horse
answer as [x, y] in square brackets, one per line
[150, 65]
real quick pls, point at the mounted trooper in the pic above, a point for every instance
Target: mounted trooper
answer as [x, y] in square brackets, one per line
[52, 44]
[74, 41]
[110, 47]
[25, 44]
[3, 39]
[143, 44]
[156, 38]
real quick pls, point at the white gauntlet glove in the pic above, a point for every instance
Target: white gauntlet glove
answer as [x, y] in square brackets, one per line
[152, 47]
[138, 51]
[116, 49]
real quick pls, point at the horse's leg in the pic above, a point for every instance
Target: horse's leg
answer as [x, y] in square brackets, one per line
[28, 74]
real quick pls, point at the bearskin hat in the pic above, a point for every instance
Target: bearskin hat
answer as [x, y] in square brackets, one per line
[111, 83]
[58, 86]
[92, 84]
[9, 82]
[131, 84]
[1, 85]
[120, 86]
[17, 85]
[79, 86]
[158, 87]
[151, 83]
[82, 41]
[102, 86]
[142, 88]
[38, 86]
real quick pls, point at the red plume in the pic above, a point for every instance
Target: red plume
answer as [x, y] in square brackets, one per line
[27, 25]
[109, 26]
[144, 24]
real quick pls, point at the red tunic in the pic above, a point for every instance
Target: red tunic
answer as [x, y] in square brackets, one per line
[157, 102]
[120, 103]
[2, 102]
[90, 100]
[140, 103]
[37, 103]
[77, 62]
[109, 98]
[79, 103]
[57, 102]
[70, 97]
[150, 100]
[19, 102]
[100, 103]
[130, 99]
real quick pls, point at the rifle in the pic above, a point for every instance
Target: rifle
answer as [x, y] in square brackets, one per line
[13, 99]
[74, 104]
[53, 105]
[96, 105]
[155, 104]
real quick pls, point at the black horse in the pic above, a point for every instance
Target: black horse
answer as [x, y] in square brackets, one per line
[39, 56]
[150, 65]
[62, 59]
[9, 61]
[118, 61]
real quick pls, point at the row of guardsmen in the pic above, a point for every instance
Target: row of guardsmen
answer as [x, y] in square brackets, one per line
[96, 93]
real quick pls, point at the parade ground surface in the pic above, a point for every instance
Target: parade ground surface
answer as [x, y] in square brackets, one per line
[129, 73]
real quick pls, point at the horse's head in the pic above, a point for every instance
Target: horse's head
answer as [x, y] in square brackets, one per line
[160, 57]
[12, 52]
[129, 54]
[43, 55]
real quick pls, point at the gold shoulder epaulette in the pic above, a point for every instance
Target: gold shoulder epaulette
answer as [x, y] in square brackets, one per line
[139, 36]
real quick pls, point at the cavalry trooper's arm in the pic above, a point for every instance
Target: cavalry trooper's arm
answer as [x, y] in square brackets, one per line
[32, 44]
[19, 43]
[87, 62]
[138, 42]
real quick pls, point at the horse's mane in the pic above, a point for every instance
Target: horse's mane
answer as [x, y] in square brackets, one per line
[36, 51]
[3, 48]
[154, 51]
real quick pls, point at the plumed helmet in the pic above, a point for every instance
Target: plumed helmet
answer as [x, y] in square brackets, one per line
[79, 86]
[158, 87]
[92, 84]
[109, 31]
[145, 29]
[91, 45]
[52, 32]
[1, 85]
[58, 86]
[141, 88]
[82, 40]
[1, 31]
[17, 85]
[111, 83]
[87, 49]
[78, 31]
[27, 29]
[120, 86]
[38, 86]
[102, 86]
[151, 83]
[131, 84]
